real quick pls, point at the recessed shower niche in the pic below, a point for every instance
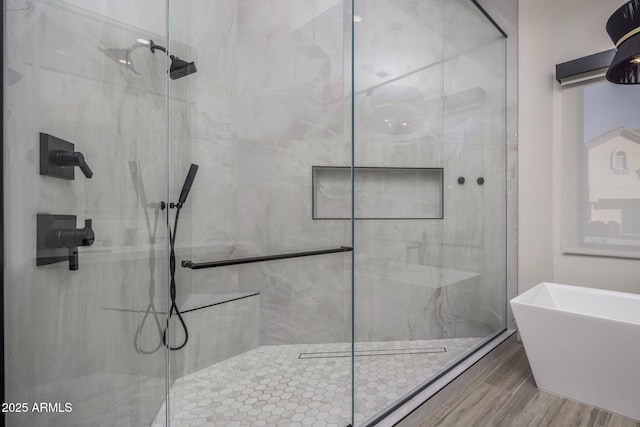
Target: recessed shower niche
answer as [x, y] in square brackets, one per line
[379, 193]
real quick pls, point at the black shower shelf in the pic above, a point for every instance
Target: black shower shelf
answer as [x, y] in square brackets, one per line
[198, 265]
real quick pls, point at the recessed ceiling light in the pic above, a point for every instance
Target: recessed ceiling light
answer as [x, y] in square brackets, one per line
[357, 18]
[124, 61]
[143, 41]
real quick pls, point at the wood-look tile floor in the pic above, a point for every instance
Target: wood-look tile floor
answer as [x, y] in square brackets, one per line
[505, 394]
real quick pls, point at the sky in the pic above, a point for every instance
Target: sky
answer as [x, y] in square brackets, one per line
[608, 106]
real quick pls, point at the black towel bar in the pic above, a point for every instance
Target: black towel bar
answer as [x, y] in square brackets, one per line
[199, 265]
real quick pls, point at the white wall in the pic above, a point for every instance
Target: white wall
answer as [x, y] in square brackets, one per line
[535, 68]
[552, 32]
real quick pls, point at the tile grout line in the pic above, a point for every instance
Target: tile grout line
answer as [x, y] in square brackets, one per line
[471, 391]
[435, 422]
[511, 397]
[483, 375]
[505, 404]
[508, 353]
[522, 382]
[499, 388]
[494, 404]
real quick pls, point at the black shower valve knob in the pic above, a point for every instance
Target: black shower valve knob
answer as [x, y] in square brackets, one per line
[71, 158]
[73, 237]
[58, 239]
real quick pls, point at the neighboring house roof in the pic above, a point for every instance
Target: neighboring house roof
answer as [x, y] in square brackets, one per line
[630, 134]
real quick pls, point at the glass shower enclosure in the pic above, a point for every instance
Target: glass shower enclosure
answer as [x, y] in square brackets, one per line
[339, 246]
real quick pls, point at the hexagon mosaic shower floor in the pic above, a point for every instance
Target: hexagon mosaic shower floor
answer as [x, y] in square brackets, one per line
[306, 385]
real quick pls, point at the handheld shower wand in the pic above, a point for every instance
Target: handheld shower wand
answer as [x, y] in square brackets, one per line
[188, 182]
[186, 188]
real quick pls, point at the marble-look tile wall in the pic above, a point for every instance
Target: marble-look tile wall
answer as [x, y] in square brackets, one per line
[267, 104]
[90, 337]
[270, 104]
[216, 333]
[291, 116]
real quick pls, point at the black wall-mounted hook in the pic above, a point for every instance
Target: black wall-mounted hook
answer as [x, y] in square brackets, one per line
[461, 180]
[58, 158]
[480, 181]
[58, 239]
[170, 205]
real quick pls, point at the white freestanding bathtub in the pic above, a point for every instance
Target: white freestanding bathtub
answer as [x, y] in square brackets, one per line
[583, 344]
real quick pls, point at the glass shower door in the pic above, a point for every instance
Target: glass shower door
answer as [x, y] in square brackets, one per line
[265, 117]
[258, 95]
[85, 292]
[429, 194]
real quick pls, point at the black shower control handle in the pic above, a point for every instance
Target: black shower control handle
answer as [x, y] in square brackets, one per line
[58, 239]
[71, 158]
[71, 238]
[84, 167]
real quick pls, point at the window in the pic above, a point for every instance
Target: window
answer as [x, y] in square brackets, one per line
[601, 144]
[619, 163]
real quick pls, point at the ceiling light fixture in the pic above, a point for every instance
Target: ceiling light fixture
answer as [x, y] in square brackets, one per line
[623, 28]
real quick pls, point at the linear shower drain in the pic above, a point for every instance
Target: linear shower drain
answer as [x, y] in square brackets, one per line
[367, 353]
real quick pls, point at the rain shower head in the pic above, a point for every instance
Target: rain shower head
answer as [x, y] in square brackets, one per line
[180, 68]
